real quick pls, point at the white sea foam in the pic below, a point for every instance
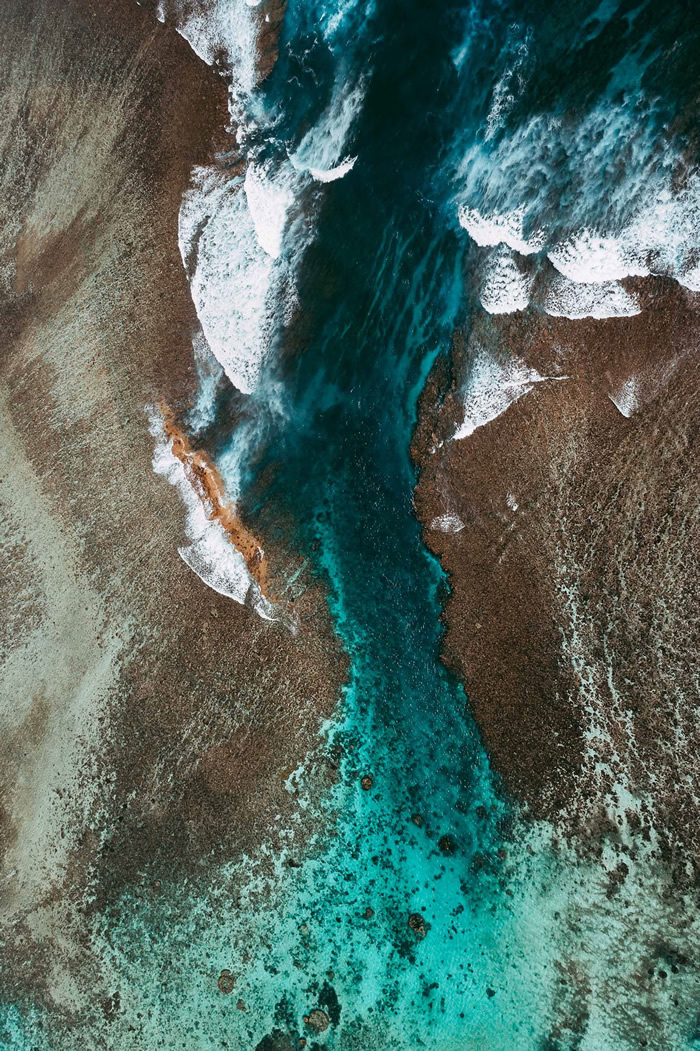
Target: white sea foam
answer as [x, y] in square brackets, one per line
[495, 229]
[209, 373]
[630, 395]
[211, 555]
[565, 298]
[241, 239]
[269, 198]
[323, 150]
[646, 222]
[691, 278]
[508, 86]
[588, 266]
[225, 31]
[505, 288]
[332, 18]
[493, 387]
[220, 566]
[331, 174]
[447, 523]
[231, 276]
[585, 257]
[625, 399]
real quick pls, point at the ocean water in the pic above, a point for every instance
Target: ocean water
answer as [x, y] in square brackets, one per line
[389, 144]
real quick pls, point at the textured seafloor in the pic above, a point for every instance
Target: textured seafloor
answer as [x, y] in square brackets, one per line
[148, 722]
[349, 507]
[571, 561]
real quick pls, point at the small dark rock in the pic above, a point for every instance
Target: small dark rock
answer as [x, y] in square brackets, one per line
[447, 844]
[317, 1020]
[110, 1006]
[226, 982]
[417, 924]
[367, 782]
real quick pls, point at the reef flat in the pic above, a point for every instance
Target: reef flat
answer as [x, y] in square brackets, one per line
[149, 723]
[566, 518]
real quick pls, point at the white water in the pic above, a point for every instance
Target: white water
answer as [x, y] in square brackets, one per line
[493, 386]
[323, 150]
[625, 399]
[631, 394]
[507, 278]
[565, 298]
[662, 239]
[647, 221]
[448, 523]
[231, 274]
[269, 198]
[495, 229]
[505, 287]
[241, 239]
[225, 31]
[331, 174]
[210, 554]
[210, 375]
[586, 257]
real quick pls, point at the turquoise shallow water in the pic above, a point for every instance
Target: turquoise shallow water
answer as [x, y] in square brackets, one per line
[521, 947]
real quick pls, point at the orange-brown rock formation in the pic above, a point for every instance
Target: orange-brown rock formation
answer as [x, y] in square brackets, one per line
[207, 482]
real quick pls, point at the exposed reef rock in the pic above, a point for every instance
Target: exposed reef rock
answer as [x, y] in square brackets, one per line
[572, 614]
[317, 1020]
[209, 487]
